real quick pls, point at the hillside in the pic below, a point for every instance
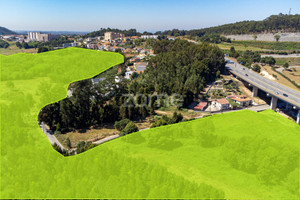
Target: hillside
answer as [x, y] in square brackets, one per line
[274, 23]
[4, 31]
[240, 155]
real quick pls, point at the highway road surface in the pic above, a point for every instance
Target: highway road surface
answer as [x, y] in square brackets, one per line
[275, 89]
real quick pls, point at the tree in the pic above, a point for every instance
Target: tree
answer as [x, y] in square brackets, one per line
[177, 117]
[4, 44]
[68, 142]
[256, 68]
[254, 37]
[286, 65]
[25, 45]
[19, 45]
[277, 37]
[43, 49]
[101, 115]
[129, 128]
[120, 125]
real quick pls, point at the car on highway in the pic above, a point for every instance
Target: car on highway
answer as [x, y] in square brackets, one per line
[285, 95]
[246, 74]
[243, 68]
[276, 92]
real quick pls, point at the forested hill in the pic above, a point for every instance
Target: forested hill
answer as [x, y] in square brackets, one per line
[4, 31]
[281, 22]
[130, 32]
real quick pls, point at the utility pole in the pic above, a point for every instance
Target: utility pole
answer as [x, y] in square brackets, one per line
[290, 11]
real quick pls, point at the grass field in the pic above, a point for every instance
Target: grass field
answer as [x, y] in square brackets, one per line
[291, 61]
[240, 155]
[261, 46]
[13, 49]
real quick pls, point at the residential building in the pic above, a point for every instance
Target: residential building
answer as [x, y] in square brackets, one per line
[110, 36]
[221, 104]
[69, 45]
[135, 59]
[41, 37]
[149, 36]
[242, 100]
[140, 67]
[201, 106]
[128, 74]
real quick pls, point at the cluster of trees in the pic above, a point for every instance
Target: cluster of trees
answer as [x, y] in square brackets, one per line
[249, 57]
[273, 23]
[182, 67]
[125, 126]
[44, 45]
[130, 32]
[165, 120]
[93, 105]
[4, 44]
[272, 164]
[268, 60]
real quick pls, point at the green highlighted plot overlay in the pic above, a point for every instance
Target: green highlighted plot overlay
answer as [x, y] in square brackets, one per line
[240, 155]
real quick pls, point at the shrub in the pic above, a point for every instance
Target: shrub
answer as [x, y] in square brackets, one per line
[129, 128]
[256, 68]
[160, 122]
[120, 125]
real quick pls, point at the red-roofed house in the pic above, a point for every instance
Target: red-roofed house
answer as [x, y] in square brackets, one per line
[242, 100]
[221, 104]
[201, 106]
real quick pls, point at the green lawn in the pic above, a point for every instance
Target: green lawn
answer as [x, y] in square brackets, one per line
[240, 155]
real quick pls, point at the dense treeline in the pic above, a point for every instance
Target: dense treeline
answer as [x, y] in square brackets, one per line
[49, 45]
[279, 22]
[180, 67]
[4, 44]
[130, 32]
[92, 105]
[183, 68]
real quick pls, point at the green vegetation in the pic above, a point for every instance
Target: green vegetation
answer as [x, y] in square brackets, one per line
[256, 68]
[120, 125]
[165, 120]
[4, 31]
[268, 60]
[130, 32]
[129, 128]
[290, 61]
[4, 44]
[263, 47]
[241, 155]
[272, 23]
[269, 45]
[104, 102]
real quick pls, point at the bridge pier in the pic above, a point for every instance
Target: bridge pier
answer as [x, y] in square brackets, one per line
[254, 91]
[298, 117]
[274, 103]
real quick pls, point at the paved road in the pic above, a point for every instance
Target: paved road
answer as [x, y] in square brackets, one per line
[112, 137]
[50, 135]
[282, 56]
[265, 84]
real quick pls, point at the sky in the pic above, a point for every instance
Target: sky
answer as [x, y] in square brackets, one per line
[143, 15]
